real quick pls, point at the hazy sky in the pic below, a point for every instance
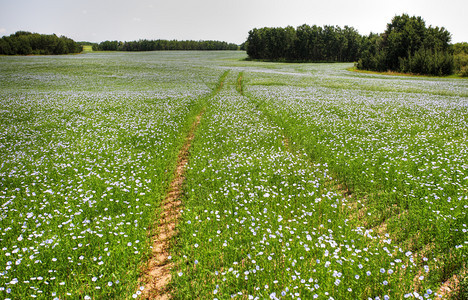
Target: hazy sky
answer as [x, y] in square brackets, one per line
[231, 20]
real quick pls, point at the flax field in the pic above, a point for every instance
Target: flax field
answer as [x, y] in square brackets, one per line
[303, 181]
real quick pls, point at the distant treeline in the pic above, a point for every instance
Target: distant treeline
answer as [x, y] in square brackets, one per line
[406, 46]
[25, 43]
[155, 45]
[305, 43]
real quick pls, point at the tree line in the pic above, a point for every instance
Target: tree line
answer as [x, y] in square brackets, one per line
[407, 46]
[305, 43]
[157, 45]
[26, 43]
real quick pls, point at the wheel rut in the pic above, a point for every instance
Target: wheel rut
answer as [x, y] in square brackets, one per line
[157, 272]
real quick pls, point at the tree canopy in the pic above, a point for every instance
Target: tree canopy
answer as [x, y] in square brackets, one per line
[305, 43]
[409, 46]
[25, 43]
[155, 45]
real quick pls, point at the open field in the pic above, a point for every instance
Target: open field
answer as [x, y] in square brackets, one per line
[87, 48]
[303, 180]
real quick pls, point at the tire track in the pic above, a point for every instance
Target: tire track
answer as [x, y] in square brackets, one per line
[157, 273]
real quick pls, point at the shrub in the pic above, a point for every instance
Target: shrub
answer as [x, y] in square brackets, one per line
[461, 64]
[426, 61]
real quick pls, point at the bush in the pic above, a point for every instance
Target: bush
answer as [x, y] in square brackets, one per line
[461, 64]
[374, 62]
[426, 61]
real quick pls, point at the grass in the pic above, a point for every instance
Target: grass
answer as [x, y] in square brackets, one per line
[386, 149]
[393, 73]
[366, 199]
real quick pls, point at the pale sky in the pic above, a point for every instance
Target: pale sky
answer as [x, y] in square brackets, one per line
[128, 20]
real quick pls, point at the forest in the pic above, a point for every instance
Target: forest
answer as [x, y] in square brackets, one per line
[305, 43]
[157, 45]
[407, 46]
[26, 43]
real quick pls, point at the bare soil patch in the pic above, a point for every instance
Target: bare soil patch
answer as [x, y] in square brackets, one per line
[157, 273]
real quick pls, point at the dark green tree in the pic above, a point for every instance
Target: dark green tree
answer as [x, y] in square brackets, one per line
[25, 43]
[407, 45]
[305, 43]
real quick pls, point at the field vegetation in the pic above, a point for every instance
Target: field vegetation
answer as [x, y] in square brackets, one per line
[304, 181]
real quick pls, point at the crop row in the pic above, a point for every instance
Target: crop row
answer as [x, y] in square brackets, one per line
[405, 153]
[260, 221]
[83, 172]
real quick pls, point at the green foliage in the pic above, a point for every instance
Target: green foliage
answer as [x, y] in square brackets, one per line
[26, 43]
[305, 43]
[88, 46]
[463, 293]
[460, 51]
[460, 48]
[108, 46]
[372, 58]
[427, 62]
[408, 45]
[462, 65]
[156, 45]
